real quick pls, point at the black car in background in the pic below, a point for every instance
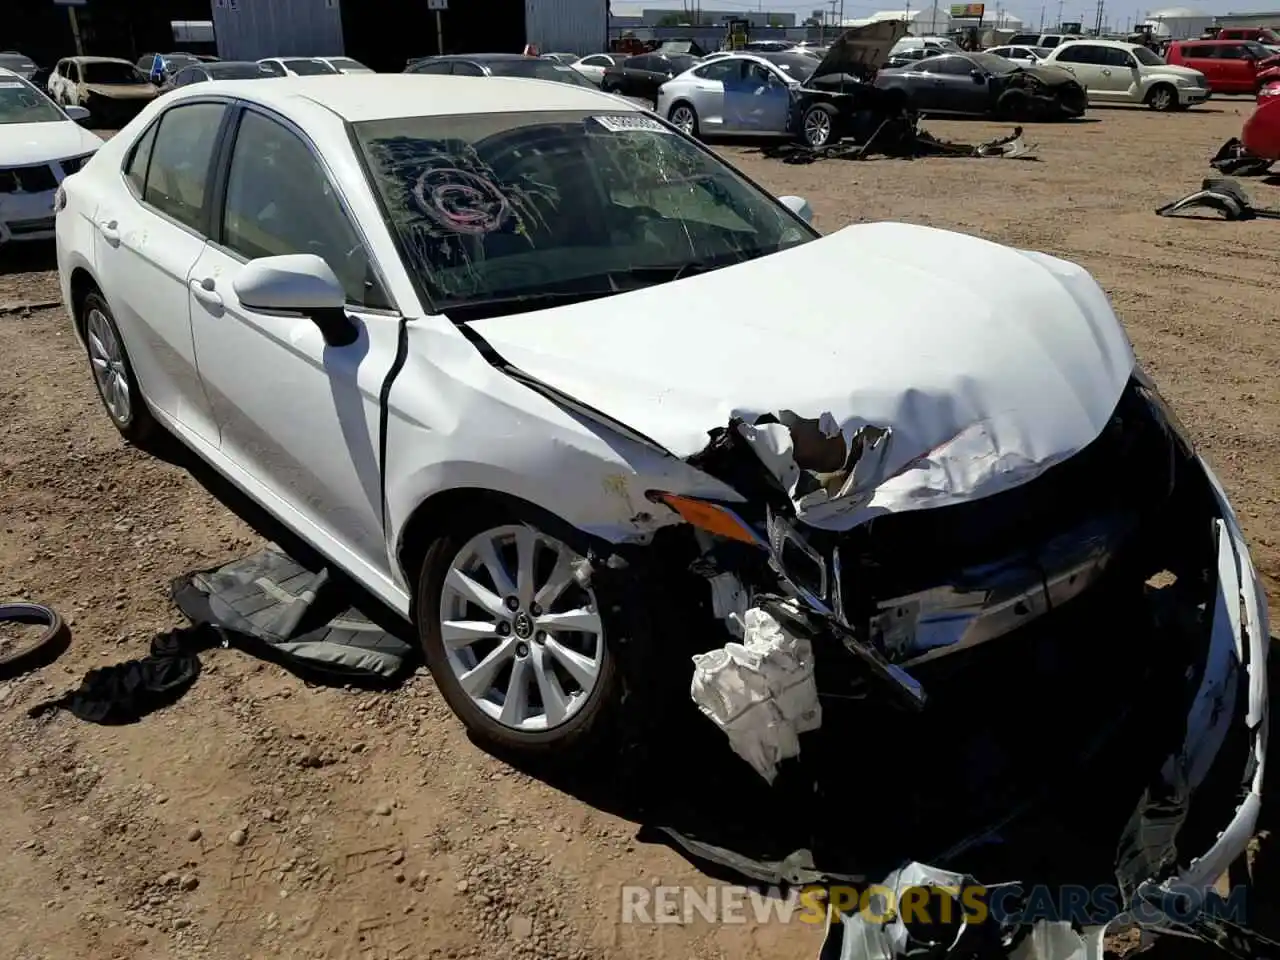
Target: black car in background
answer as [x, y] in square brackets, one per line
[221, 70]
[498, 65]
[979, 84]
[641, 76]
[170, 64]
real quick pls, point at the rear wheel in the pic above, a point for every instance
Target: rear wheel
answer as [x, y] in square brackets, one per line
[1162, 98]
[684, 118]
[113, 374]
[518, 647]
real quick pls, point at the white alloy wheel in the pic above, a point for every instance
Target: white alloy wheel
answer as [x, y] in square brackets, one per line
[522, 637]
[107, 359]
[682, 119]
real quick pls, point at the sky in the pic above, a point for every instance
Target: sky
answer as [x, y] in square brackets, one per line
[1117, 13]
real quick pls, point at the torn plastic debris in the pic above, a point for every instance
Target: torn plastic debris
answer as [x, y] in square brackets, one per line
[760, 692]
[811, 459]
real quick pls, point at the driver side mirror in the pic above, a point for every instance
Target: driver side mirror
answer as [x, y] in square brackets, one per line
[78, 114]
[298, 283]
[799, 206]
[978, 76]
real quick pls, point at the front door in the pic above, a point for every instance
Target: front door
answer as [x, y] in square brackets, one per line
[759, 100]
[301, 417]
[150, 231]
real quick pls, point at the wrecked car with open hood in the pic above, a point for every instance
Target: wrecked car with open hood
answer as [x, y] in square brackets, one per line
[982, 84]
[839, 99]
[549, 395]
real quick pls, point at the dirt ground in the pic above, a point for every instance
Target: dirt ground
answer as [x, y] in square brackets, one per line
[259, 816]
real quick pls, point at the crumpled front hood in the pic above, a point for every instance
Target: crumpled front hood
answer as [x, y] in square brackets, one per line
[987, 364]
[24, 144]
[123, 91]
[861, 50]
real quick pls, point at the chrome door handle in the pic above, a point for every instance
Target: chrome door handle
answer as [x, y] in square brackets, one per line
[110, 230]
[205, 292]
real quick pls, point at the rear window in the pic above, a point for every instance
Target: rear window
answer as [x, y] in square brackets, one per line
[309, 68]
[535, 68]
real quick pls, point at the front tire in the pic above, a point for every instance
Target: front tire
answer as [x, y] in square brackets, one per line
[1162, 98]
[113, 374]
[519, 649]
[818, 125]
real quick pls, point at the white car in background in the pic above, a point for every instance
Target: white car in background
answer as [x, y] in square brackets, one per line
[40, 144]
[524, 362]
[346, 65]
[1028, 55]
[1114, 71]
[299, 66]
[594, 65]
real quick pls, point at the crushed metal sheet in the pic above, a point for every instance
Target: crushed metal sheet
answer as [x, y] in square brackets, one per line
[760, 692]
[795, 869]
[631, 122]
[903, 139]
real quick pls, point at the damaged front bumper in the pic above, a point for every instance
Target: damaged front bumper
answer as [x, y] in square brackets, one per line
[1126, 560]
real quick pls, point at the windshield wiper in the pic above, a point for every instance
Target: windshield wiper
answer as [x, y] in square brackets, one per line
[479, 309]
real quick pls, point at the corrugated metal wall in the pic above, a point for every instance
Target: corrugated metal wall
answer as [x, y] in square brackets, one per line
[566, 26]
[252, 29]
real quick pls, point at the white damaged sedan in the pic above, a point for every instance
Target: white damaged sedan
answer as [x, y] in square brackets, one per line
[526, 363]
[40, 143]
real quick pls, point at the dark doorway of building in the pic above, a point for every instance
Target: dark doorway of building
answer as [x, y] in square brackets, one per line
[385, 34]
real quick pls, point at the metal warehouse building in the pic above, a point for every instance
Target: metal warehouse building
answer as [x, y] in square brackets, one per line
[386, 33]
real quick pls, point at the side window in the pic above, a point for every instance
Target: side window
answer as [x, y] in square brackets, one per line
[597, 61]
[279, 201]
[135, 169]
[758, 74]
[719, 71]
[73, 71]
[273, 68]
[178, 175]
[1072, 53]
[1115, 57]
[951, 66]
[1233, 52]
[639, 63]
[463, 69]
[434, 67]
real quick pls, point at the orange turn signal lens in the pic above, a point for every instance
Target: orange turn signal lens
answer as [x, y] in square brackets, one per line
[709, 517]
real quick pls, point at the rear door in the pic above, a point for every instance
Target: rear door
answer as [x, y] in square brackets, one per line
[151, 231]
[1120, 77]
[1236, 71]
[1197, 56]
[711, 85]
[1085, 62]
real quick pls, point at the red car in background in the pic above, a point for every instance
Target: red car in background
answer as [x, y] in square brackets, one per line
[1261, 134]
[1230, 66]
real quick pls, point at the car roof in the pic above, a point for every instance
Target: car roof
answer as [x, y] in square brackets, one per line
[1209, 43]
[1119, 44]
[387, 96]
[99, 60]
[483, 57]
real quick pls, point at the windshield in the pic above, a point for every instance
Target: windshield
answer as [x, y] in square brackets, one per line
[1257, 50]
[798, 66]
[1147, 57]
[680, 62]
[993, 64]
[176, 61]
[236, 71]
[309, 68]
[111, 73]
[537, 69]
[20, 102]
[567, 204]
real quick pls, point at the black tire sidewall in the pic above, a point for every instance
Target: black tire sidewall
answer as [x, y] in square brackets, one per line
[141, 424]
[583, 732]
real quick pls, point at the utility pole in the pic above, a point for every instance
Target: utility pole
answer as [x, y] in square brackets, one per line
[933, 24]
[1097, 26]
[1042, 18]
[1060, 3]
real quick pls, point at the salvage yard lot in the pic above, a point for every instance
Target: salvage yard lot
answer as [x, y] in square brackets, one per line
[259, 816]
